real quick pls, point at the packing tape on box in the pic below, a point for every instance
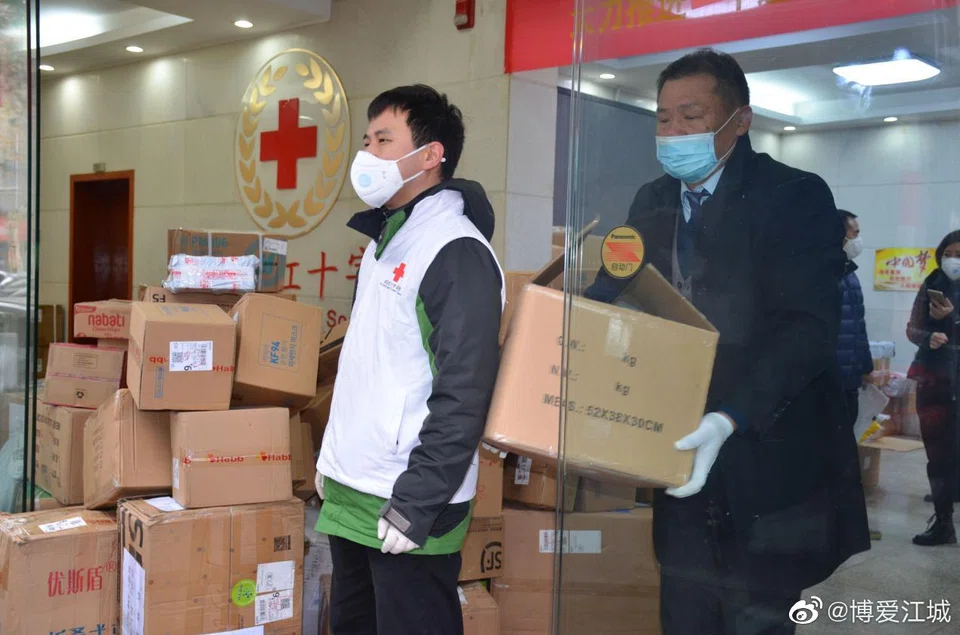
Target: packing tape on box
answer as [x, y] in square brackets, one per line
[192, 459]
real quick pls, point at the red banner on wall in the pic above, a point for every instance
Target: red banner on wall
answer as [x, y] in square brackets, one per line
[539, 33]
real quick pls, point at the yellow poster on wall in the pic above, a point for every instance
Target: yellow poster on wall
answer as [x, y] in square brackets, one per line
[902, 268]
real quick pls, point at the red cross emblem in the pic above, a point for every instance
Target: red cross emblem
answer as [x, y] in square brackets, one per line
[399, 271]
[288, 144]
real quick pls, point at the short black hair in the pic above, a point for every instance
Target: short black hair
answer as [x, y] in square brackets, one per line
[431, 118]
[731, 82]
[846, 216]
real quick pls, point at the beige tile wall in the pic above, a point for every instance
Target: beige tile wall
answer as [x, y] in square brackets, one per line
[172, 120]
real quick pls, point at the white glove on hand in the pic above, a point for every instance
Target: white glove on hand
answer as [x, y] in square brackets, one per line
[393, 541]
[319, 483]
[714, 429]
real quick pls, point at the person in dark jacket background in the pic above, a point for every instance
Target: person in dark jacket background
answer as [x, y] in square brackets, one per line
[853, 347]
[935, 328]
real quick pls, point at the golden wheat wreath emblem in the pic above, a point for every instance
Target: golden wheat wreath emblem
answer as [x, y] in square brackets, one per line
[292, 140]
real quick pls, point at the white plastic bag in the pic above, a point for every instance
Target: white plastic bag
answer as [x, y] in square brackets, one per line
[872, 401]
[234, 274]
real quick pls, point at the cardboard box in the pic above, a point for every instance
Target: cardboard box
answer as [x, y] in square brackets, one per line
[193, 572]
[231, 457]
[869, 466]
[317, 414]
[278, 351]
[121, 344]
[181, 357]
[330, 354]
[82, 376]
[127, 452]
[637, 381]
[271, 249]
[610, 583]
[59, 572]
[489, 500]
[480, 613]
[51, 324]
[534, 483]
[482, 551]
[303, 461]
[109, 319]
[596, 496]
[515, 281]
[59, 467]
[225, 301]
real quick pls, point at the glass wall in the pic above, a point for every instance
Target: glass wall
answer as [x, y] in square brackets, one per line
[18, 249]
[759, 354]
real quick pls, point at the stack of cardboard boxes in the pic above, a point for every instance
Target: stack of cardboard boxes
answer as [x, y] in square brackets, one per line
[191, 439]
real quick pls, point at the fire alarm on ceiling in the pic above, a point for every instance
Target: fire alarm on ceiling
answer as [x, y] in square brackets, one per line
[464, 17]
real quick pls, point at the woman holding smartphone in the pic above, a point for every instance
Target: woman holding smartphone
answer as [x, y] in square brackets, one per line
[935, 328]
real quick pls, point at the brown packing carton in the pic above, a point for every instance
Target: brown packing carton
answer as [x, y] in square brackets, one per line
[610, 583]
[597, 496]
[271, 249]
[308, 486]
[317, 413]
[534, 483]
[637, 380]
[59, 467]
[181, 356]
[330, 353]
[109, 319]
[278, 351]
[489, 500]
[193, 572]
[231, 457]
[515, 281]
[127, 452]
[82, 376]
[51, 324]
[482, 552]
[121, 344]
[480, 613]
[225, 301]
[59, 572]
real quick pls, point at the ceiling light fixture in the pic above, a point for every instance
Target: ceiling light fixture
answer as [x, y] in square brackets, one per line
[135, 49]
[898, 71]
[891, 119]
[243, 24]
[607, 76]
[789, 128]
[46, 67]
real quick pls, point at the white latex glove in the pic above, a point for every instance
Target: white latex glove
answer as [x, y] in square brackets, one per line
[318, 481]
[714, 429]
[393, 541]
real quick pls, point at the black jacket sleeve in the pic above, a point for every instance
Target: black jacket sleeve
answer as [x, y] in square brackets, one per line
[460, 294]
[801, 269]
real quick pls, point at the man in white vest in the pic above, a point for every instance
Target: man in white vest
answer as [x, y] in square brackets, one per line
[398, 464]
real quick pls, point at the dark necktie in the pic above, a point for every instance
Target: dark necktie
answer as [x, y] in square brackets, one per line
[687, 230]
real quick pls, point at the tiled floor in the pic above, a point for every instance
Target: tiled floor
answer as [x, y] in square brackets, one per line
[894, 569]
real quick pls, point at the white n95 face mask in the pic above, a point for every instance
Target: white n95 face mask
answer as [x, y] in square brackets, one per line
[951, 267]
[376, 180]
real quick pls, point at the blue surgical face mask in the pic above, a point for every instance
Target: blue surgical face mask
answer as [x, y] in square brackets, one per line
[691, 158]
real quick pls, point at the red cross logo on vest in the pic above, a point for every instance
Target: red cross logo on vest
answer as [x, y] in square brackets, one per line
[399, 271]
[287, 144]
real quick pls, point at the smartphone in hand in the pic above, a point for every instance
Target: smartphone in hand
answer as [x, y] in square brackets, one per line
[937, 297]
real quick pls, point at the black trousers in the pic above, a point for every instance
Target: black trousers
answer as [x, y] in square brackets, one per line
[383, 594]
[937, 408]
[701, 589]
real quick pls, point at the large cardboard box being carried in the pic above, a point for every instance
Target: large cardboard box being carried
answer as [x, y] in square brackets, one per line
[193, 572]
[59, 572]
[270, 249]
[60, 451]
[109, 319]
[82, 376]
[610, 583]
[480, 613]
[231, 457]
[482, 552]
[181, 356]
[637, 380]
[127, 452]
[279, 349]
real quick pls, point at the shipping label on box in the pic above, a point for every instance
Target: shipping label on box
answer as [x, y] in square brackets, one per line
[109, 319]
[251, 574]
[126, 452]
[482, 551]
[270, 249]
[231, 457]
[181, 356]
[279, 348]
[60, 572]
[59, 467]
[637, 381]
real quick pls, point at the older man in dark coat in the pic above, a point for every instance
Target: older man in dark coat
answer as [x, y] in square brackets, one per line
[774, 504]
